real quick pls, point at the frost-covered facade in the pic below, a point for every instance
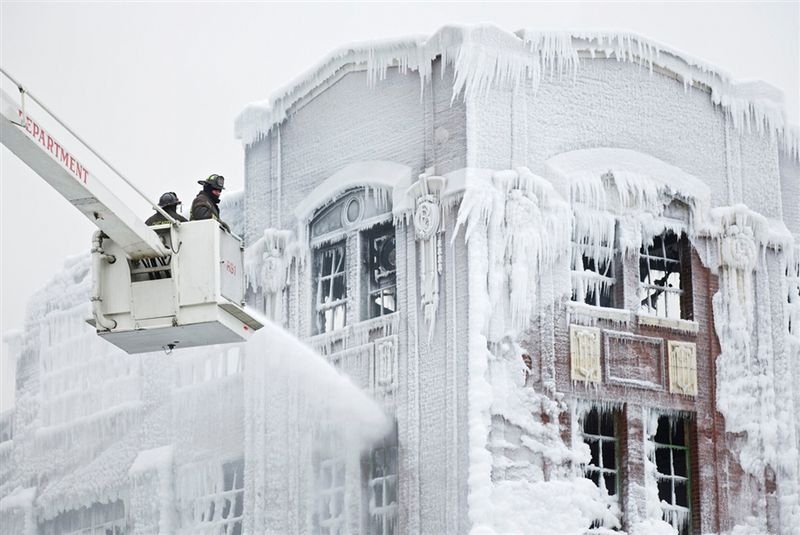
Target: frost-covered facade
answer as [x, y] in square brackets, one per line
[564, 264]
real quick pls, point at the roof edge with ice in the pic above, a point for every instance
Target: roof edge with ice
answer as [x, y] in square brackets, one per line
[482, 55]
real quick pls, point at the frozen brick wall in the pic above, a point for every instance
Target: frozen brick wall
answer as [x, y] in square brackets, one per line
[790, 192]
[761, 183]
[349, 122]
[258, 189]
[450, 133]
[621, 105]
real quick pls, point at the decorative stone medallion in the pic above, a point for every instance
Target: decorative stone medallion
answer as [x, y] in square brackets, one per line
[738, 248]
[426, 217]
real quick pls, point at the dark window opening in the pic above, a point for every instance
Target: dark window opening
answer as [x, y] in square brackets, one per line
[599, 431]
[600, 434]
[673, 472]
[594, 273]
[381, 271]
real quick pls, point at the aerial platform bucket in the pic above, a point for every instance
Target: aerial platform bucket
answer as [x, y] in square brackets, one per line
[194, 296]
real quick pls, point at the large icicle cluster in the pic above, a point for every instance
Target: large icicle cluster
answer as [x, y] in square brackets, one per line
[483, 57]
[756, 264]
[525, 225]
[620, 199]
[521, 471]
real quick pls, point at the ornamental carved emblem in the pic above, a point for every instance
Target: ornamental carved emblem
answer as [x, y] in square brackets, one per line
[273, 271]
[426, 217]
[738, 248]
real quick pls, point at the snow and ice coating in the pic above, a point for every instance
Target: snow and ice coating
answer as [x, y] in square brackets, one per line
[483, 55]
[94, 425]
[552, 308]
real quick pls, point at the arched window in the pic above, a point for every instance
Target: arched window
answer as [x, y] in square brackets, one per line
[353, 260]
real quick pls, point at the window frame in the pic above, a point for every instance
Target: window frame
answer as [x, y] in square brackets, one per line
[385, 514]
[334, 493]
[342, 224]
[590, 264]
[602, 439]
[211, 512]
[334, 306]
[370, 287]
[648, 289]
[672, 511]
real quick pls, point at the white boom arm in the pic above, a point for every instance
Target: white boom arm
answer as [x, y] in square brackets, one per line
[58, 167]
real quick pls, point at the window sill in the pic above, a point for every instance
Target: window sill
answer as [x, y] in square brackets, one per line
[685, 326]
[354, 335]
[617, 315]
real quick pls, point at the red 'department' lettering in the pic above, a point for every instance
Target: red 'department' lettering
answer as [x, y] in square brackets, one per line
[48, 143]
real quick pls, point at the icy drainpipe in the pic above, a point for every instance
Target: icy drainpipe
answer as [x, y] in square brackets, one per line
[98, 255]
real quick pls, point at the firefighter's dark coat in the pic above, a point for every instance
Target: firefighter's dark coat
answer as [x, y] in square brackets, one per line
[158, 219]
[205, 206]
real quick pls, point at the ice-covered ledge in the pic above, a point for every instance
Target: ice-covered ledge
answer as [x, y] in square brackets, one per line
[20, 498]
[583, 312]
[686, 326]
[353, 335]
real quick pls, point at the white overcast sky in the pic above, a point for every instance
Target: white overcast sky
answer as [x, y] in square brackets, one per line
[155, 87]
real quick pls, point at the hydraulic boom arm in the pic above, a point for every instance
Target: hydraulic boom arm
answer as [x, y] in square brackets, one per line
[51, 160]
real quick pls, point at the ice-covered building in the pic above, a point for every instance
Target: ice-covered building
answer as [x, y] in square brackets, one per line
[565, 264]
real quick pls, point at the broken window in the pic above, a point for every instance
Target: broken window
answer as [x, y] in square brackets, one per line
[599, 431]
[382, 486]
[331, 287]
[594, 274]
[329, 518]
[381, 269]
[672, 471]
[665, 277]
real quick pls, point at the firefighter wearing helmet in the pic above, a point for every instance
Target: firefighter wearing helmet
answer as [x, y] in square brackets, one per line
[169, 203]
[205, 205]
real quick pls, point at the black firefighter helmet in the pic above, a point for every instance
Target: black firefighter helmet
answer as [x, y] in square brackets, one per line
[213, 182]
[168, 199]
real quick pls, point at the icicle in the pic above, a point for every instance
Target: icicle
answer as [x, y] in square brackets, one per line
[483, 57]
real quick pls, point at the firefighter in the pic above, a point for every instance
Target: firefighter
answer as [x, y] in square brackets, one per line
[169, 202]
[205, 204]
